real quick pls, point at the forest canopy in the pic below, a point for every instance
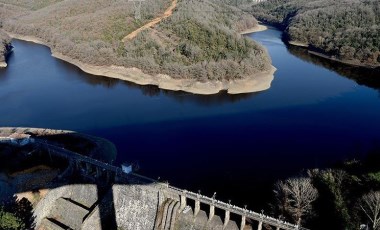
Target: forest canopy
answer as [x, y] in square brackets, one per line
[200, 40]
[346, 29]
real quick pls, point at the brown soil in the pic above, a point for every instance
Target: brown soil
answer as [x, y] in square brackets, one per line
[168, 12]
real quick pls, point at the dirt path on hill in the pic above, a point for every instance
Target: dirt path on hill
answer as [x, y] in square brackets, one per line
[168, 12]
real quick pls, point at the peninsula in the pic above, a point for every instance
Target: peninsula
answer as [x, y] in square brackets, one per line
[193, 46]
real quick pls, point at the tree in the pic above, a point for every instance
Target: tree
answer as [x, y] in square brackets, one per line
[295, 197]
[16, 214]
[9, 220]
[370, 205]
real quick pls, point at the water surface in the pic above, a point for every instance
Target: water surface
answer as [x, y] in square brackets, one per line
[314, 114]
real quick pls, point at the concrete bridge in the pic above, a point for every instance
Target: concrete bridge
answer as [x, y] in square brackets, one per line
[88, 167]
[98, 171]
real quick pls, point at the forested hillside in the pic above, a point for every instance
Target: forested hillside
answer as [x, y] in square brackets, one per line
[346, 29]
[345, 196]
[200, 40]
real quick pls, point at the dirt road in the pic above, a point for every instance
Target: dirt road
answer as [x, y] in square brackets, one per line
[168, 12]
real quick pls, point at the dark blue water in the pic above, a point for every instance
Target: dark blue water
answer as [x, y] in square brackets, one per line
[314, 115]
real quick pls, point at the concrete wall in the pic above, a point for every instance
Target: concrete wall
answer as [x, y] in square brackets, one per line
[136, 206]
[84, 194]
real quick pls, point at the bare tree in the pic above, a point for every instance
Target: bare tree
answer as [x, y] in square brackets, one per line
[370, 204]
[295, 197]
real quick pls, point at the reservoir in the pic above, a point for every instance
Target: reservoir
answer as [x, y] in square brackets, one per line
[315, 114]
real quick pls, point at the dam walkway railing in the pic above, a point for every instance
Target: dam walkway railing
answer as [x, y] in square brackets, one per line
[95, 168]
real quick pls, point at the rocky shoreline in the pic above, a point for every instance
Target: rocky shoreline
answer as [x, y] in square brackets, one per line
[254, 83]
[332, 58]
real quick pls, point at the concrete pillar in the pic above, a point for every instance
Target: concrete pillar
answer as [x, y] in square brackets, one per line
[183, 202]
[108, 176]
[88, 168]
[98, 172]
[212, 212]
[242, 224]
[197, 207]
[226, 218]
[260, 227]
[77, 166]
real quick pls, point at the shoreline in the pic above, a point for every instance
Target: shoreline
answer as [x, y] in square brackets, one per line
[353, 64]
[328, 57]
[258, 28]
[299, 44]
[255, 83]
[3, 64]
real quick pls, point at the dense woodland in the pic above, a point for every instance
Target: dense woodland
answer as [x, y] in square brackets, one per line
[200, 40]
[346, 29]
[343, 197]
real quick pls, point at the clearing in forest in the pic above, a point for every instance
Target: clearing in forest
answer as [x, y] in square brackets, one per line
[168, 12]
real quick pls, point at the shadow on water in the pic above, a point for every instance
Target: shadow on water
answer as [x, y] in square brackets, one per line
[363, 76]
[23, 179]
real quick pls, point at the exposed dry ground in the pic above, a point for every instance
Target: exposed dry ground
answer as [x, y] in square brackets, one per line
[168, 12]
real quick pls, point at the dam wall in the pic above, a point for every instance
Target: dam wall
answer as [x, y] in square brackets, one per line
[92, 194]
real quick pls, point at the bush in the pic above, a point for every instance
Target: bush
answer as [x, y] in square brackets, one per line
[10, 221]
[16, 214]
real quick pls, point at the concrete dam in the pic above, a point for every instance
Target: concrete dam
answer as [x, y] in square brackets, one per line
[103, 196]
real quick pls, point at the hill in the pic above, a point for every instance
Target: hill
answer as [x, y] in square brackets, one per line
[345, 30]
[199, 41]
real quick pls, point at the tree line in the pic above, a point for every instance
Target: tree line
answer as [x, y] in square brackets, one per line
[346, 30]
[346, 196]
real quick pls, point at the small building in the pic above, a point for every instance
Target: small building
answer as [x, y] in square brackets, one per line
[127, 168]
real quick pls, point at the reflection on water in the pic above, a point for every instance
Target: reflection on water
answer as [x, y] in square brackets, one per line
[208, 100]
[3, 77]
[153, 91]
[363, 76]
